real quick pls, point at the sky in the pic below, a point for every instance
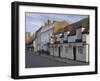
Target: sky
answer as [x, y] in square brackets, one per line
[35, 20]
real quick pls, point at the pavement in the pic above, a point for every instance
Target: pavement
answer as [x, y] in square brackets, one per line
[33, 60]
[65, 60]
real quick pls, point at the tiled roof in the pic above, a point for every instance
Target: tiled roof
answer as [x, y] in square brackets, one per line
[72, 27]
[59, 25]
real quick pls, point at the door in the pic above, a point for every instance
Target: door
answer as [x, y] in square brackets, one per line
[59, 50]
[74, 53]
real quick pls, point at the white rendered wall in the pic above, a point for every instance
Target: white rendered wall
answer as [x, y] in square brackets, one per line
[85, 37]
[79, 33]
[69, 54]
[56, 51]
[35, 47]
[45, 36]
[66, 36]
[51, 51]
[83, 57]
[39, 40]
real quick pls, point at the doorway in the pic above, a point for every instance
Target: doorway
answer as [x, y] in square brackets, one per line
[74, 53]
[59, 50]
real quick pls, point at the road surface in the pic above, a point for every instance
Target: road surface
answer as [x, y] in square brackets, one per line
[33, 60]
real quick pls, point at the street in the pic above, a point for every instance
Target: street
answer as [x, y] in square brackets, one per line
[34, 60]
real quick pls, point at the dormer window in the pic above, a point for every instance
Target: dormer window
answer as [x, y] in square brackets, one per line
[79, 34]
[68, 32]
[83, 29]
[66, 36]
[61, 35]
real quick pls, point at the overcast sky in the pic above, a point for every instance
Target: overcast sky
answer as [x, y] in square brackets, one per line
[35, 20]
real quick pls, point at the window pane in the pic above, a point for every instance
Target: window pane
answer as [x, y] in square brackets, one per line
[80, 50]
